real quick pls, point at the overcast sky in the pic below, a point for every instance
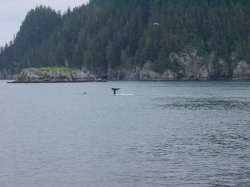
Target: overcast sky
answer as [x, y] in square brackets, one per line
[13, 12]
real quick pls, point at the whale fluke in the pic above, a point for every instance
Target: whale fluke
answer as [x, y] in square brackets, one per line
[115, 89]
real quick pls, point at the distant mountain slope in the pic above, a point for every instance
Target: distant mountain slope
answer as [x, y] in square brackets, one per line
[135, 39]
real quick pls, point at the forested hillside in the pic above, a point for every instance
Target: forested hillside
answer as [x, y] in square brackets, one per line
[107, 35]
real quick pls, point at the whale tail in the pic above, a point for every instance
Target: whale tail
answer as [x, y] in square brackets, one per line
[115, 89]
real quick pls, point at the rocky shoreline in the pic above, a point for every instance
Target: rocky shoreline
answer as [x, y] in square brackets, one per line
[191, 67]
[33, 75]
[14, 81]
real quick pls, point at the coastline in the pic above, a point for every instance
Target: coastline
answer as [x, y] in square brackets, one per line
[58, 81]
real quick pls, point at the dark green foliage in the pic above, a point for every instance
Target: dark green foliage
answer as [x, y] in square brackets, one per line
[109, 33]
[25, 49]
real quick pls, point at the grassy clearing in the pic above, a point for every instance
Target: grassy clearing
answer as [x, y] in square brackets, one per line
[57, 69]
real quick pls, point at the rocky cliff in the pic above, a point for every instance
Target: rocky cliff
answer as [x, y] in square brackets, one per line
[191, 67]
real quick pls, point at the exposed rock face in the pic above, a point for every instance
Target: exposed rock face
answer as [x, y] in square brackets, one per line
[242, 71]
[36, 75]
[192, 67]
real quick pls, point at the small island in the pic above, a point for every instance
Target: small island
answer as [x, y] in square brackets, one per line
[54, 75]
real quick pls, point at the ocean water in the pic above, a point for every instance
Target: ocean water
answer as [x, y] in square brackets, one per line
[190, 134]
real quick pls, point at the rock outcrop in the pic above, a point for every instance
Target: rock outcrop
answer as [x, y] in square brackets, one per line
[33, 75]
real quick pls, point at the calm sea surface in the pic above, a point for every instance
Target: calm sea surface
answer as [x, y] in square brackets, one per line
[190, 134]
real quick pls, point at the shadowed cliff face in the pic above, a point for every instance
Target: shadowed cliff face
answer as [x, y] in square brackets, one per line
[5, 74]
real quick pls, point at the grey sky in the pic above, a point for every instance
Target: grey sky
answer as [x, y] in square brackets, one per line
[13, 12]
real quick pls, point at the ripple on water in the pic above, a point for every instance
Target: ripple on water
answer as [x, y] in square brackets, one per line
[213, 103]
[168, 134]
